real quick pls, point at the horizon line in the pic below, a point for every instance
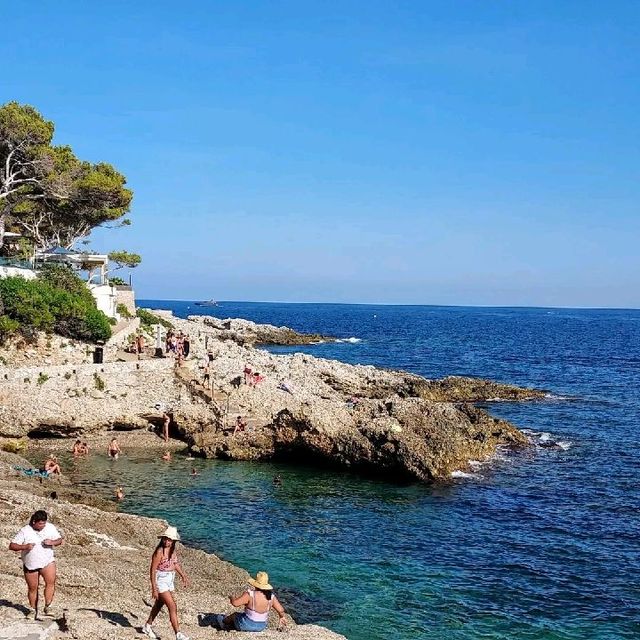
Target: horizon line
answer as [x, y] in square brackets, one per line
[403, 304]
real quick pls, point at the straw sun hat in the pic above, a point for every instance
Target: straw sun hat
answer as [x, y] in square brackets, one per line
[261, 581]
[171, 533]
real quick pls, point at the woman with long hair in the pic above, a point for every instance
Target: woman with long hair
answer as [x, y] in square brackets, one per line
[164, 566]
[36, 542]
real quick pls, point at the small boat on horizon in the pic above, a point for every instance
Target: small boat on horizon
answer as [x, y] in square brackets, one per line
[206, 303]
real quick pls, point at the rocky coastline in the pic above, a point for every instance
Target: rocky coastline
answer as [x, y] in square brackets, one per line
[303, 410]
[394, 424]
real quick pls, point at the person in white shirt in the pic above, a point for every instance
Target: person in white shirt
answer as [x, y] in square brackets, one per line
[36, 541]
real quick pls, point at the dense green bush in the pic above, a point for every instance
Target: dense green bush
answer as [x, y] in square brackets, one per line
[57, 301]
[147, 319]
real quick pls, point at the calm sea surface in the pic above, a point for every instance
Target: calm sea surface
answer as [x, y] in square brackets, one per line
[543, 544]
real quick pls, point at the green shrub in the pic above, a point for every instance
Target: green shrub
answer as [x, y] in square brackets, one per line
[148, 319]
[14, 446]
[58, 301]
[7, 327]
[123, 311]
[42, 378]
[115, 281]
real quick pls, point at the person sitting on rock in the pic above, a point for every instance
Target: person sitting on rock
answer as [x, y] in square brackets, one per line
[51, 466]
[77, 449]
[85, 449]
[257, 601]
[248, 374]
[257, 379]
[241, 425]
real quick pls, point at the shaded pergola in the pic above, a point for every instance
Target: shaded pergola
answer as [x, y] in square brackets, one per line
[95, 264]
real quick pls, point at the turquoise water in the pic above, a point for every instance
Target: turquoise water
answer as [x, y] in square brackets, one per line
[539, 544]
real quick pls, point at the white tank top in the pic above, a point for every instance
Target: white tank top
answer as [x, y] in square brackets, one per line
[250, 611]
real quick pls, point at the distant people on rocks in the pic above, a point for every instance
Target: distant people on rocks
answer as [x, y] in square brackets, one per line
[164, 566]
[240, 425]
[186, 346]
[36, 542]
[248, 374]
[257, 601]
[139, 344]
[85, 448]
[285, 386]
[51, 466]
[353, 402]
[114, 449]
[166, 419]
[206, 375]
[257, 379]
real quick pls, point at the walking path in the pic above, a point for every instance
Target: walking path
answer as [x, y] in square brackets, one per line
[226, 408]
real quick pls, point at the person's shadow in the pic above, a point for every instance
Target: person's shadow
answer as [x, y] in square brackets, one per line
[115, 618]
[12, 605]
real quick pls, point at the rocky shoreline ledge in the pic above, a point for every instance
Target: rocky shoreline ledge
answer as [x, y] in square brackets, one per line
[394, 424]
[103, 570]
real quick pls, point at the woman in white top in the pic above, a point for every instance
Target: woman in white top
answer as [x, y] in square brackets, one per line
[257, 602]
[36, 542]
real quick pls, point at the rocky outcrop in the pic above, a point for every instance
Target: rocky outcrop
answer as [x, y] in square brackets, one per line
[245, 332]
[402, 439]
[103, 590]
[392, 423]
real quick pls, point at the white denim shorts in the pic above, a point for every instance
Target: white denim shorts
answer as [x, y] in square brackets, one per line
[165, 581]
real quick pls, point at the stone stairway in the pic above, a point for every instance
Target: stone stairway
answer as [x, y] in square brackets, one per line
[226, 408]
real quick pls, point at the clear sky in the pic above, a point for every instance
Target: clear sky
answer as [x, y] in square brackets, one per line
[438, 152]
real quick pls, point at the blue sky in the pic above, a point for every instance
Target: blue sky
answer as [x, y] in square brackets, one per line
[467, 152]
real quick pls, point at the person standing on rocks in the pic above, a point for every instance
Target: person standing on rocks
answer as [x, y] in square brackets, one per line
[36, 541]
[166, 419]
[164, 566]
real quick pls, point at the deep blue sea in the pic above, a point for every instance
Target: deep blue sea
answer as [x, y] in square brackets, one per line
[542, 544]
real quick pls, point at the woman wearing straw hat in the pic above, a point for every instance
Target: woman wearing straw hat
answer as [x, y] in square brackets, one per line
[257, 602]
[164, 566]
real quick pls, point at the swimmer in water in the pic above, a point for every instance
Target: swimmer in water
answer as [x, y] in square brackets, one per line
[119, 493]
[167, 456]
[114, 449]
